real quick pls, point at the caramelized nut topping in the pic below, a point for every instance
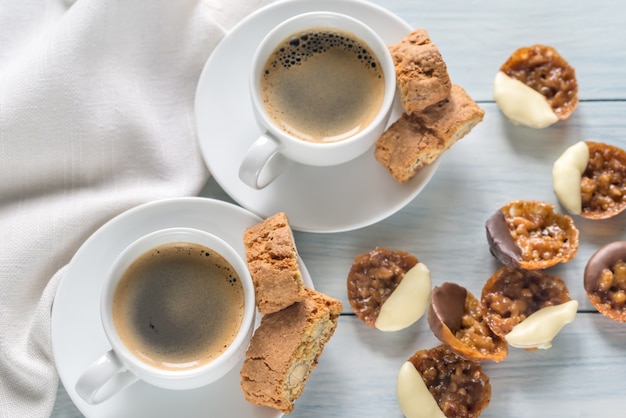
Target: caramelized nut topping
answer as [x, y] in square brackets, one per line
[456, 319]
[605, 280]
[539, 237]
[373, 277]
[603, 184]
[544, 70]
[459, 386]
[512, 294]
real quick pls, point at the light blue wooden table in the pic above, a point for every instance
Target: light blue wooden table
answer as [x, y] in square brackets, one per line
[582, 375]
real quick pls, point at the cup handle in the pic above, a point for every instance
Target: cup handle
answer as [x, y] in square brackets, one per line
[262, 163]
[104, 378]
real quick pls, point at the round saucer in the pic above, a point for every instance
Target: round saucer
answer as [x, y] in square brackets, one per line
[77, 335]
[316, 199]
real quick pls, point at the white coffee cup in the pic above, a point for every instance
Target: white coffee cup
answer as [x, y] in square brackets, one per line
[120, 367]
[270, 153]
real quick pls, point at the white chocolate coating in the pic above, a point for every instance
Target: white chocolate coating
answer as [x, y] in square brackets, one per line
[414, 398]
[566, 173]
[540, 328]
[521, 104]
[407, 302]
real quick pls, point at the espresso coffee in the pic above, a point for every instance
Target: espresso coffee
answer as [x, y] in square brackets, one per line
[322, 85]
[178, 306]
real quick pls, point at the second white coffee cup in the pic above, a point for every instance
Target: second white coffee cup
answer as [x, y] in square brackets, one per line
[322, 87]
[170, 295]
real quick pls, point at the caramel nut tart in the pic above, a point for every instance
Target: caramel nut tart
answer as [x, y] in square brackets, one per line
[513, 296]
[531, 235]
[536, 87]
[456, 318]
[589, 179]
[605, 280]
[388, 290]
[440, 383]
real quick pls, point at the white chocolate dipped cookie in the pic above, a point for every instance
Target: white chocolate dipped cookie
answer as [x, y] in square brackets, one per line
[388, 290]
[513, 295]
[438, 383]
[536, 87]
[588, 179]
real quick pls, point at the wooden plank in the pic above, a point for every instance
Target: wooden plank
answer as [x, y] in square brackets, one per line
[444, 225]
[580, 376]
[476, 37]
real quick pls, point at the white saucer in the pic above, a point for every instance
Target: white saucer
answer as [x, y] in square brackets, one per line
[328, 199]
[77, 335]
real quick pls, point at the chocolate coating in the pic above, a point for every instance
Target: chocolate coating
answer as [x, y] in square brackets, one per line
[501, 243]
[605, 257]
[448, 305]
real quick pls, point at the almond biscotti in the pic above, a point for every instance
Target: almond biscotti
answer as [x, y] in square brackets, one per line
[421, 73]
[285, 349]
[272, 259]
[418, 139]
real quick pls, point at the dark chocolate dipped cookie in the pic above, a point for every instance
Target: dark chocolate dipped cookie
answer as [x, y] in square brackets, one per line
[456, 318]
[529, 234]
[605, 280]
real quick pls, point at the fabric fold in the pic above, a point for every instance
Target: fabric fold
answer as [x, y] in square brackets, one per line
[96, 117]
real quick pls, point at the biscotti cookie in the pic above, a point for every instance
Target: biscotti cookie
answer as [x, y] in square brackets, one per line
[273, 263]
[285, 349]
[421, 73]
[417, 140]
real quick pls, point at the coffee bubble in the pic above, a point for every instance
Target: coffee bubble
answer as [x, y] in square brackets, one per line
[299, 48]
[322, 85]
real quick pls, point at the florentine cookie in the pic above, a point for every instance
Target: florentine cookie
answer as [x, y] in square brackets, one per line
[388, 290]
[605, 280]
[527, 308]
[439, 383]
[421, 73]
[285, 349]
[531, 235]
[456, 318]
[417, 140]
[589, 179]
[273, 263]
[536, 87]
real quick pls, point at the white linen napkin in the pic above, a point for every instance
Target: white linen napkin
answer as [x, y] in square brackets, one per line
[96, 116]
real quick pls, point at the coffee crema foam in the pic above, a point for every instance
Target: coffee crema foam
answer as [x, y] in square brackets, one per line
[178, 306]
[322, 85]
